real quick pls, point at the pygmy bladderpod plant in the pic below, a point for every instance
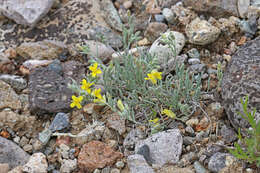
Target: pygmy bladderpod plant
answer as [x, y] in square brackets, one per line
[135, 88]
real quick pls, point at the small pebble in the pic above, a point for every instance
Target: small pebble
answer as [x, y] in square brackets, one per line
[169, 15]
[194, 53]
[28, 148]
[120, 164]
[192, 122]
[17, 139]
[199, 168]
[193, 61]
[159, 18]
[187, 140]
[127, 4]
[45, 136]
[189, 130]
[60, 122]
[24, 141]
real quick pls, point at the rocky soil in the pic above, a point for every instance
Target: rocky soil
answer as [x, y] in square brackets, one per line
[39, 56]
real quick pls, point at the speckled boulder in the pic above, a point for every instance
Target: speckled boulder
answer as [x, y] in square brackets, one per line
[201, 32]
[242, 77]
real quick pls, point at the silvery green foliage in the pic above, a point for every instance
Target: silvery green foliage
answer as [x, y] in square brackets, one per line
[123, 79]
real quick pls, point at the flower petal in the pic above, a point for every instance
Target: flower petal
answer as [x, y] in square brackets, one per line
[72, 105]
[74, 98]
[78, 106]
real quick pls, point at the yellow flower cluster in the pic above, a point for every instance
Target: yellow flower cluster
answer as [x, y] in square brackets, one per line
[86, 86]
[95, 70]
[154, 76]
[76, 102]
[169, 113]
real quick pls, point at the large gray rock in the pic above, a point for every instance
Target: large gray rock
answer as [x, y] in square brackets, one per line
[164, 147]
[12, 154]
[25, 12]
[48, 87]
[241, 78]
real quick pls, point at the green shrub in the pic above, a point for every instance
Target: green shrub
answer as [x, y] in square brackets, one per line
[249, 150]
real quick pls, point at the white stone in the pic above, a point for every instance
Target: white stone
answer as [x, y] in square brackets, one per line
[68, 166]
[37, 163]
[25, 12]
[169, 16]
[165, 147]
[163, 52]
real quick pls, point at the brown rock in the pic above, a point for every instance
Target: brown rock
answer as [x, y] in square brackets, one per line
[96, 154]
[8, 97]
[6, 65]
[4, 167]
[46, 49]
[154, 30]
[115, 122]
[216, 8]
[16, 121]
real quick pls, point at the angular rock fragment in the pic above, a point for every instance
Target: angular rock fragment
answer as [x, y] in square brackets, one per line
[27, 12]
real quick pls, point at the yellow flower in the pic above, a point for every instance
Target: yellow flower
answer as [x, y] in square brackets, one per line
[169, 113]
[86, 85]
[120, 105]
[76, 102]
[95, 70]
[155, 121]
[153, 76]
[100, 100]
[97, 93]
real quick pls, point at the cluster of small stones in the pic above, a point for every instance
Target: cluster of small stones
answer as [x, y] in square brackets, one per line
[39, 56]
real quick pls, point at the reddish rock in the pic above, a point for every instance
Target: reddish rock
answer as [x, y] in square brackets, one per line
[96, 154]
